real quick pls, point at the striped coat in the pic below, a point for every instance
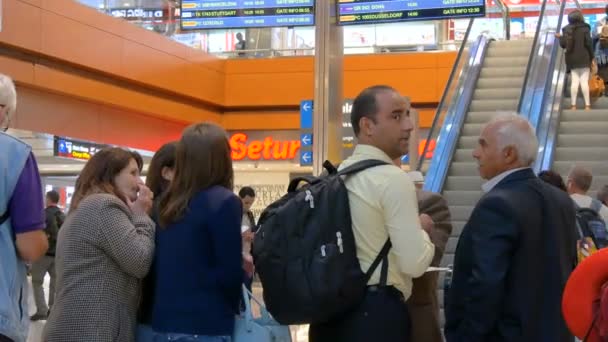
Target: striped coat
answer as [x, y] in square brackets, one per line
[103, 252]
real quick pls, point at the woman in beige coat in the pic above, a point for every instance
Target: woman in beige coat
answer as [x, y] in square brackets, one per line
[105, 248]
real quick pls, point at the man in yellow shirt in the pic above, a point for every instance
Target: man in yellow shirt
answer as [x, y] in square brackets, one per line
[383, 205]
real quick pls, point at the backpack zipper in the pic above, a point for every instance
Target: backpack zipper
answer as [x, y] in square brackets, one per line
[340, 245]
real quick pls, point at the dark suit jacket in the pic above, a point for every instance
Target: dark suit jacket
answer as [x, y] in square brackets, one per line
[423, 305]
[512, 262]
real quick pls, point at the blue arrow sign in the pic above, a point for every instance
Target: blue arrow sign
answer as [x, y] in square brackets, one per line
[306, 139]
[306, 158]
[306, 110]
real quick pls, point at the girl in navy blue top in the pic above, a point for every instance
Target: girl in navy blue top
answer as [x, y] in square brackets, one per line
[197, 268]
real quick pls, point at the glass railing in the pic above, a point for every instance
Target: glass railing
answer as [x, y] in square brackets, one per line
[540, 59]
[163, 17]
[547, 119]
[458, 93]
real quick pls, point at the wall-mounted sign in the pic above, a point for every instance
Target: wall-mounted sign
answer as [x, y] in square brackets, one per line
[205, 14]
[73, 149]
[388, 11]
[149, 14]
[267, 148]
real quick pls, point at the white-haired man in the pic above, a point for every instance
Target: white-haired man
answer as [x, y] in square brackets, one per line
[517, 249]
[22, 238]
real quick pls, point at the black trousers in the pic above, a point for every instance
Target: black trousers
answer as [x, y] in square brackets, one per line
[5, 339]
[382, 316]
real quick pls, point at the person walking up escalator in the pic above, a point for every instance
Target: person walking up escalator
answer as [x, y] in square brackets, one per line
[576, 40]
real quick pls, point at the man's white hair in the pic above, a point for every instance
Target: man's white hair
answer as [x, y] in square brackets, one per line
[8, 95]
[512, 129]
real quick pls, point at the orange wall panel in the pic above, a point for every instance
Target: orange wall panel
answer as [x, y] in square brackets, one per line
[85, 120]
[21, 25]
[76, 52]
[76, 35]
[69, 40]
[287, 81]
[261, 120]
[101, 92]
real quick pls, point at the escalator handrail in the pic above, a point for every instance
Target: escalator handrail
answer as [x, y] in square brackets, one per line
[547, 134]
[552, 103]
[454, 119]
[525, 101]
[506, 17]
[446, 91]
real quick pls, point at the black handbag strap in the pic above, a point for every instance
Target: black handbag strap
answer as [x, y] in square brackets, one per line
[382, 256]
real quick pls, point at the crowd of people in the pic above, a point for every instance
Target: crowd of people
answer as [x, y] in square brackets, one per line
[167, 260]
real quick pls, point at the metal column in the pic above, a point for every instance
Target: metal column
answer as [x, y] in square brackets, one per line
[329, 52]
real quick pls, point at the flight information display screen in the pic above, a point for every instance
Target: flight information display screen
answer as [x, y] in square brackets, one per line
[222, 14]
[352, 12]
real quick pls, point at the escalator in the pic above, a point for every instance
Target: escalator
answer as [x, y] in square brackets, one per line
[582, 139]
[498, 90]
[572, 137]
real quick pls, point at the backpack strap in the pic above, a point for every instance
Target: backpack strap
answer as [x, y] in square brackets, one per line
[360, 166]
[381, 256]
[384, 271]
[596, 205]
[293, 184]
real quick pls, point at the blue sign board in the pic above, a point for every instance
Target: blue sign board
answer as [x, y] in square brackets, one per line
[306, 136]
[306, 139]
[306, 158]
[214, 14]
[306, 114]
[386, 11]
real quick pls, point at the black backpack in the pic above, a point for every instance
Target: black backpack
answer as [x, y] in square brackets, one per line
[304, 250]
[590, 224]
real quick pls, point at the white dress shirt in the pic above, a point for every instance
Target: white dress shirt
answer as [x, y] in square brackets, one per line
[489, 185]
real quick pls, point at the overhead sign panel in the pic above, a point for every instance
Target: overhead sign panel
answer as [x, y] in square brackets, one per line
[74, 149]
[215, 14]
[352, 12]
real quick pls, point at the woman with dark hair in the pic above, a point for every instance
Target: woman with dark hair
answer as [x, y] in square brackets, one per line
[197, 268]
[576, 40]
[105, 247]
[160, 174]
[162, 169]
[553, 178]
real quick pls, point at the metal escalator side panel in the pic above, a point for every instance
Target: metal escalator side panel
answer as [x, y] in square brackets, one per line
[455, 117]
[549, 124]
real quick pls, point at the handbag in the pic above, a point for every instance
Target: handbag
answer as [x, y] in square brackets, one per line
[262, 329]
[596, 86]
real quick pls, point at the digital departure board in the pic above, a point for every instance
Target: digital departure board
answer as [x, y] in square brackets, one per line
[352, 12]
[215, 14]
